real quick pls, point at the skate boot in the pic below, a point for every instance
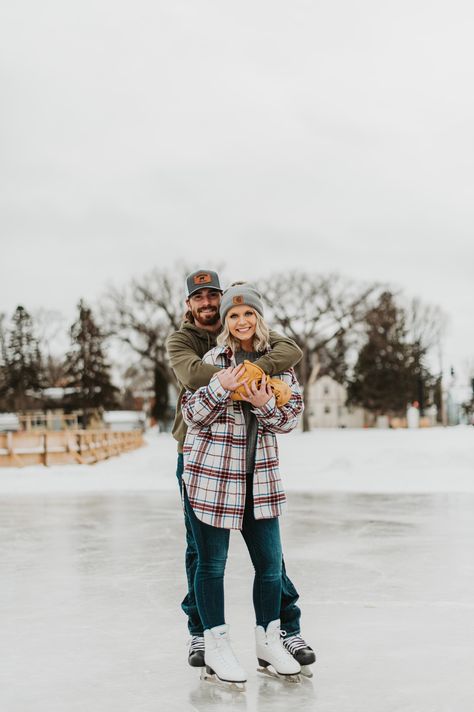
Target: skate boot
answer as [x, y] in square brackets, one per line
[221, 664]
[301, 652]
[270, 651]
[196, 651]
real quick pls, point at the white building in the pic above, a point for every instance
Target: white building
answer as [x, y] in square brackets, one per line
[124, 420]
[327, 406]
[9, 422]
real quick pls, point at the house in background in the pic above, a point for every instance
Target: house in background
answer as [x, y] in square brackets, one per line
[124, 420]
[9, 423]
[327, 406]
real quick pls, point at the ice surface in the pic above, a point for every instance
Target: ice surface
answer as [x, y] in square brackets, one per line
[92, 576]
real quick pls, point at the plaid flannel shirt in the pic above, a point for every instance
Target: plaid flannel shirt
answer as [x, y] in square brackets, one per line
[215, 446]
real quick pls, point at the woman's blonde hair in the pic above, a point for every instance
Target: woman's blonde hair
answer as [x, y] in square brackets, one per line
[261, 339]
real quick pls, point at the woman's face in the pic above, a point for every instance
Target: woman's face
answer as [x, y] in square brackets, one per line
[242, 322]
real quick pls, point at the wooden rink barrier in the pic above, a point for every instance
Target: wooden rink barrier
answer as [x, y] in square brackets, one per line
[84, 447]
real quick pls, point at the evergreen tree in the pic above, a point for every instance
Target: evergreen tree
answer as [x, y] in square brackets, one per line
[389, 372]
[86, 368]
[22, 364]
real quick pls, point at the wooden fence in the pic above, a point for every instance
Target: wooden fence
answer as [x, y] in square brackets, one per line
[85, 447]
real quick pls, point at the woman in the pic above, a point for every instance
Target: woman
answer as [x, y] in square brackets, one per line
[231, 481]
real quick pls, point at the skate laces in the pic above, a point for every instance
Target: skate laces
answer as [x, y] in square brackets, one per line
[226, 654]
[295, 643]
[196, 643]
[276, 634]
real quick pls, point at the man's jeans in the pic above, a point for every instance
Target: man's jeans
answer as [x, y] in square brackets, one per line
[289, 611]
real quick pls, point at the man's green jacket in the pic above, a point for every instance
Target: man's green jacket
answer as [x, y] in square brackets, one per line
[186, 348]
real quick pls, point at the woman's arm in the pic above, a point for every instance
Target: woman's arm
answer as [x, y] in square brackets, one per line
[285, 418]
[206, 404]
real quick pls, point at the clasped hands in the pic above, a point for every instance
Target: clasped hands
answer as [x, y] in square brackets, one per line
[231, 379]
[248, 382]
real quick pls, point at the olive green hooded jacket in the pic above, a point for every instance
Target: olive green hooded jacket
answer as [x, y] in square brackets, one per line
[186, 348]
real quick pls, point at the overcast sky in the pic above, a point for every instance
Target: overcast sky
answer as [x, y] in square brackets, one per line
[325, 136]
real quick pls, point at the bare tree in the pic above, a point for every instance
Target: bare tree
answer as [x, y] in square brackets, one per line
[3, 339]
[51, 329]
[3, 361]
[141, 316]
[315, 310]
[425, 326]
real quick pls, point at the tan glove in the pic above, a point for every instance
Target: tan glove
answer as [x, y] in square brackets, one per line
[251, 373]
[281, 391]
[254, 373]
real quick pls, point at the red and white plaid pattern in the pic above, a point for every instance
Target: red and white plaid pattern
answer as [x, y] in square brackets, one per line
[215, 446]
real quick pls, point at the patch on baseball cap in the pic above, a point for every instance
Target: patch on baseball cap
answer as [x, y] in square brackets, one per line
[202, 279]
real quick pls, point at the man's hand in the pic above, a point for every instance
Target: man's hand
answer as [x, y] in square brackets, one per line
[230, 377]
[258, 396]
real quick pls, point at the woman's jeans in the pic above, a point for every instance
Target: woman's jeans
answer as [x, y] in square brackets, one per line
[273, 593]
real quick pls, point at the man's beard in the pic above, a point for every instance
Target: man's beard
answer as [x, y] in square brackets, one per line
[206, 319]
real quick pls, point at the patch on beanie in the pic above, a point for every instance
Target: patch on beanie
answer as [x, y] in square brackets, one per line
[202, 278]
[238, 299]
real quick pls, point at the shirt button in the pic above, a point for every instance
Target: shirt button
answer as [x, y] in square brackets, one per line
[219, 394]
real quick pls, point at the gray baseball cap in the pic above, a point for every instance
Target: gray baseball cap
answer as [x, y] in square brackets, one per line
[202, 279]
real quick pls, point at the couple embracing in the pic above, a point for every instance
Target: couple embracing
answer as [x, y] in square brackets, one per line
[238, 389]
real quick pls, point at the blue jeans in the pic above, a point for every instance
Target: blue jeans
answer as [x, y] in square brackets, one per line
[289, 613]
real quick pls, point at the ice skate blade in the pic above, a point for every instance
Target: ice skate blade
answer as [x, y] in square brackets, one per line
[306, 671]
[224, 684]
[285, 678]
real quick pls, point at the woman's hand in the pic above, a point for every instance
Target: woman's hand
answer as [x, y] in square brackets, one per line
[230, 377]
[258, 396]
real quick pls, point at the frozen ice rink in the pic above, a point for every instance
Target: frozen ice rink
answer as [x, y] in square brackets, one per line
[91, 584]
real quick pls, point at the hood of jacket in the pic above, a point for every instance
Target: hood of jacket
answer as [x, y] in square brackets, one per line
[204, 340]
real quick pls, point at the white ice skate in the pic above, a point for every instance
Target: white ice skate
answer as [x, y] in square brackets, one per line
[221, 664]
[270, 652]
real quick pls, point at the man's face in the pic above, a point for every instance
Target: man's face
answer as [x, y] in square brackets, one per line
[204, 306]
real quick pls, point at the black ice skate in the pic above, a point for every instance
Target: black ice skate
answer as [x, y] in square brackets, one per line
[196, 651]
[301, 652]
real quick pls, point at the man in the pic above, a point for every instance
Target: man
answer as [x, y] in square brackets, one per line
[186, 347]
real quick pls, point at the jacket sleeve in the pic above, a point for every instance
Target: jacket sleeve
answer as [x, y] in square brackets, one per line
[187, 365]
[284, 355]
[284, 419]
[204, 405]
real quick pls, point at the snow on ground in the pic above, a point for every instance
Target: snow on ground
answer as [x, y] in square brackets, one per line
[428, 460]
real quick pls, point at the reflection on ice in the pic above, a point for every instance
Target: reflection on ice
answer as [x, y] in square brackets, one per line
[91, 587]
[262, 694]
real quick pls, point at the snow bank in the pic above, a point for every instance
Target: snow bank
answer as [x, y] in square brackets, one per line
[378, 461]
